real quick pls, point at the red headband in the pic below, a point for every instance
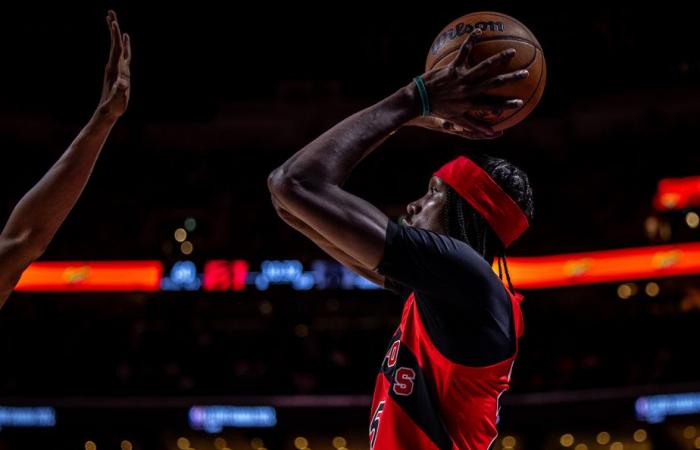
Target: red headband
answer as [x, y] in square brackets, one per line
[475, 186]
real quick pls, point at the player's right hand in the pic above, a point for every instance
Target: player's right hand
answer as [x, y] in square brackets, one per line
[457, 91]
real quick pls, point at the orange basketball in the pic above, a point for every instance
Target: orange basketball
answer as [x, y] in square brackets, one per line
[499, 32]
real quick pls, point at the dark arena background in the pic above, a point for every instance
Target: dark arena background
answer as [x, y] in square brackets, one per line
[178, 311]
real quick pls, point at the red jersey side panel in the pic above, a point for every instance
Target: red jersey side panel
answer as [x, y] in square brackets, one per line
[422, 400]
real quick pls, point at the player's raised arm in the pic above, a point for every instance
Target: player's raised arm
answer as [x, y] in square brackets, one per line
[42, 210]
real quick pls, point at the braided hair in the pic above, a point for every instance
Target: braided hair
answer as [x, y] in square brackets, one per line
[461, 221]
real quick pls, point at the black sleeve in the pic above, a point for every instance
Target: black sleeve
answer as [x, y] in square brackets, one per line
[397, 287]
[432, 263]
[463, 304]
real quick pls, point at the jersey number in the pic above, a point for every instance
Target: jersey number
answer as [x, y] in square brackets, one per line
[374, 424]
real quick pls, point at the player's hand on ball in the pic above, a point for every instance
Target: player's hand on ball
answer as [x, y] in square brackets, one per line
[457, 92]
[117, 80]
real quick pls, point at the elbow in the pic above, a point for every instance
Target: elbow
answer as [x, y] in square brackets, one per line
[283, 185]
[275, 181]
[280, 186]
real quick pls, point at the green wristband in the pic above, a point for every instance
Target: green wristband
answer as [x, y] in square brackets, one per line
[424, 100]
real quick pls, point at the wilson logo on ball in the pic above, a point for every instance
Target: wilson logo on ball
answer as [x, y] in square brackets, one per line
[464, 28]
[499, 33]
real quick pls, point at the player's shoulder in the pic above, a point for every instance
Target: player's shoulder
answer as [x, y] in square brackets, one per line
[457, 255]
[430, 238]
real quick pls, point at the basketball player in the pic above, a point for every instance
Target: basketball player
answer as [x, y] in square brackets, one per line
[37, 216]
[451, 356]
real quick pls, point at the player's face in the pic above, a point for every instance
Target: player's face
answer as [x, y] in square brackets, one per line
[426, 212]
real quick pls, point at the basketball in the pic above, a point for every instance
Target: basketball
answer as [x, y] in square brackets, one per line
[499, 32]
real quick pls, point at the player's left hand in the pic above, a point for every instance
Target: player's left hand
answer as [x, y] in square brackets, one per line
[117, 79]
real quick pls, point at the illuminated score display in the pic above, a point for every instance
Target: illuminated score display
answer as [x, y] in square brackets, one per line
[224, 275]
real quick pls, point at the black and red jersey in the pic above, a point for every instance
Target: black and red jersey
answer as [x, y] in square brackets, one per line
[451, 357]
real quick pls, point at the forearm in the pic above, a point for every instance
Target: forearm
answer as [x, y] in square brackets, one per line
[42, 210]
[308, 185]
[38, 215]
[332, 156]
[325, 245]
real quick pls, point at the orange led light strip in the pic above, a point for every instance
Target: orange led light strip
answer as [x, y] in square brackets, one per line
[103, 276]
[604, 266]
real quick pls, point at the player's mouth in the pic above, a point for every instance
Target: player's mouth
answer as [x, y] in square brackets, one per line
[404, 222]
